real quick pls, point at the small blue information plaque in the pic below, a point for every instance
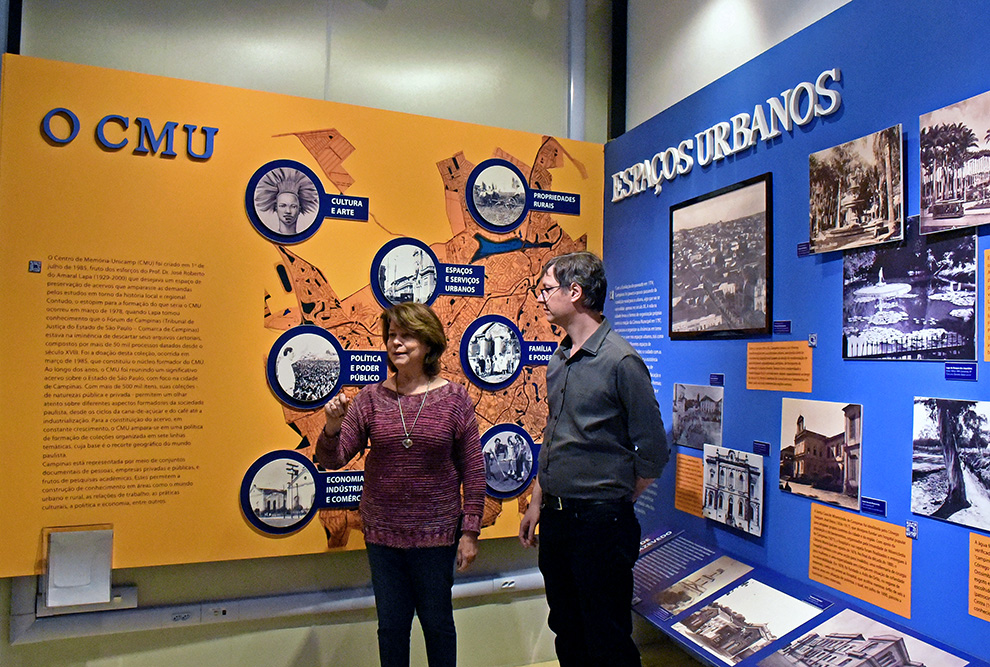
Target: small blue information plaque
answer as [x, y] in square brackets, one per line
[960, 370]
[716, 379]
[781, 326]
[761, 448]
[873, 506]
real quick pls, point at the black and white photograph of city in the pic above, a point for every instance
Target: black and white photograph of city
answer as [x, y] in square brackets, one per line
[697, 415]
[913, 300]
[407, 273]
[733, 488]
[857, 192]
[307, 367]
[499, 195]
[700, 584]
[821, 445]
[955, 165]
[719, 268]
[853, 640]
[282, 493]
[950, 471]
[745, 620]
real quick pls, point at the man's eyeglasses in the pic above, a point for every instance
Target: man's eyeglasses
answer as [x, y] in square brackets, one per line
[545, 292]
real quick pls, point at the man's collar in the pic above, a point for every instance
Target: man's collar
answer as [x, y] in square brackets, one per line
[594, 341]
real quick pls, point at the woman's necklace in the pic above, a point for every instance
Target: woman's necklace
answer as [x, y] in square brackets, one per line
[407, 442]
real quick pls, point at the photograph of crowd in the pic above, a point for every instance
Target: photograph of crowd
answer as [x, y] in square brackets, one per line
[307, 368]
[955, 165]
[821, 450]
[913, 300]
[951, 464]
[697, 415]
[857, 192]
[720, 262]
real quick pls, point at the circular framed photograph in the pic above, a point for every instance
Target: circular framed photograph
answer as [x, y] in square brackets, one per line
[304, 367]
[491, 352]
[405, 270]
[497, 195]
[510, 460]
[278, 493]
[283, 201]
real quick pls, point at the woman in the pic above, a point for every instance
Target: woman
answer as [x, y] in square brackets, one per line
[424, 447]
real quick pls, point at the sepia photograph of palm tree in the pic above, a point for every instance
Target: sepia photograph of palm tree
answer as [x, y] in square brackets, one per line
[951, 465]
[857, 193]
[955, 165]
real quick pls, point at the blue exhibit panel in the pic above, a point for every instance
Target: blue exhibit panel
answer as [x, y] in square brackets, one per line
[897, 61]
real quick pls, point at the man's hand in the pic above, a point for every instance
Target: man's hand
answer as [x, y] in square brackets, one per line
[527, 526]
[641, 485]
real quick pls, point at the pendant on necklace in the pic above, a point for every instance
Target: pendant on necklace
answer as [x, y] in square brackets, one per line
[407, 443]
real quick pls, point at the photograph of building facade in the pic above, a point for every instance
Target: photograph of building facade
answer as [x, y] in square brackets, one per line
[734, 488]
[816, 465]
[853, 640]
[697, 415]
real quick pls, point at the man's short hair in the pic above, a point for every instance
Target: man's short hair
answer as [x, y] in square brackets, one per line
[585, 269]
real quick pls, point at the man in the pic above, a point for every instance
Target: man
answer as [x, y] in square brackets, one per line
[604, 443]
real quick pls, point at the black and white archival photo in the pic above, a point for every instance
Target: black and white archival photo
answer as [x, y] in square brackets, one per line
[697, 415]
[821, 453]
[745, 620]
[955, 165]
[951, 465]
[499, 195]
[307, 367]
[720, 262]
[851, 639]
[508, 462]
[282, 493]
[733, 492]
[494, 352]
[407, 273]
[286, 201]
[857, 192]
[701, 584]
[913, 300]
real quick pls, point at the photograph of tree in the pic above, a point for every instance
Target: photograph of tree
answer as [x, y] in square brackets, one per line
[951, 465]
[821, 450]
[851, 639]
[745, 620]
[955, 165]
[913, 300]
[697, 415]
[857, 193]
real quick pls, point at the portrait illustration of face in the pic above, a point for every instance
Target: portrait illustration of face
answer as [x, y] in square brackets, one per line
[287, 209]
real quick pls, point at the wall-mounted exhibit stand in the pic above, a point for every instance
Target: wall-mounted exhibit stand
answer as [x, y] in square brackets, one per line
[850, 437]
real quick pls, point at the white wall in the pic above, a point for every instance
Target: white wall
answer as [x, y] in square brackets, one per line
[677, 47]
[501, 64]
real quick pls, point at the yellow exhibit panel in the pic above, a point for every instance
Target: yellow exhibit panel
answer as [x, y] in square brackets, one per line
[161, 237]
[783, 366]
[866, 558]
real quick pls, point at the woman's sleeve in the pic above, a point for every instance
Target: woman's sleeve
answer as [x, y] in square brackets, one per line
[470, 464]
[333, 452]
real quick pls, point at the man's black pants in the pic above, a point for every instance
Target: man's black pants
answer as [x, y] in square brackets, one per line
[587, 551]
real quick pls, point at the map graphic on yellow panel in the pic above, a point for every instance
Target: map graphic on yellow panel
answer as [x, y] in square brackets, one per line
[512, 262]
